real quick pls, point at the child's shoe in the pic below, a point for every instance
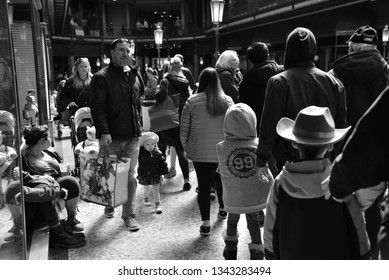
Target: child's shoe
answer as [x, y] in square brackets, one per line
[230, 251]
[158, 208]
[146, 201]
[222, 214]
[256, 251]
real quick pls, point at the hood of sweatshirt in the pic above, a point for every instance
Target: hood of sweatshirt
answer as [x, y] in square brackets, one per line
[240, 122]
[362, 66]
[300, 48]
[308, 173]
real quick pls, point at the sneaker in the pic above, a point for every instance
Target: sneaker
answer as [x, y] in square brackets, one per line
[187, 186]
[15, 233]
[213, 194]
[109, 212]
[222, 214]
[172, 173]
[158, 208]
[132, 224]
[146, 201]
[74, 223]
[205, 231]
[66, 227]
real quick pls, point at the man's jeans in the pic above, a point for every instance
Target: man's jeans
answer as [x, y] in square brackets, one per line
[128, 149]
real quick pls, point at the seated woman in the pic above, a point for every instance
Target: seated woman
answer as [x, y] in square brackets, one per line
[40, 193]
[37, 160]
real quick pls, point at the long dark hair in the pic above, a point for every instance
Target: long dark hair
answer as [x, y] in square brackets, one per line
[217, 103]
[32, 134]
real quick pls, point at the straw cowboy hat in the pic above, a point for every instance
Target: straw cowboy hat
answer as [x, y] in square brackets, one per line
[314, 126]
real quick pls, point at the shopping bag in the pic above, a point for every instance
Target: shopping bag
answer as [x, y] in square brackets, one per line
[104, 178]
[164, 115]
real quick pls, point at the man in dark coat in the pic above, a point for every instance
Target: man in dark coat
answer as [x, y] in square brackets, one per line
[299, 86]
[253, 86]
[365, 74]
[115, 108]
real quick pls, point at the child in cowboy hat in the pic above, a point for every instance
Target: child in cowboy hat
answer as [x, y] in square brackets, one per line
[151, 166]
[300, 223]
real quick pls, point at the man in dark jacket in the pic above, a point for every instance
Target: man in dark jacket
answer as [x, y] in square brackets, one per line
[364, 162]
[365, 74]
[115, 107]
[299, 86]
[253, 86]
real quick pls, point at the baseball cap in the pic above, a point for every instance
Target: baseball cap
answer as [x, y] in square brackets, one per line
[364, 34]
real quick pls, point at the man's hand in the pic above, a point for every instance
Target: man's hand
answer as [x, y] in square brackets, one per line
[105, 139]
[263, 174]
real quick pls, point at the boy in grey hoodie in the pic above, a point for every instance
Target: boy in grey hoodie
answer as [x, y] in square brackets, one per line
[243, 192]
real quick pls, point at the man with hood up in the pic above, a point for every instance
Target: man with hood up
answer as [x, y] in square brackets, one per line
[299, 86]
[365, 74]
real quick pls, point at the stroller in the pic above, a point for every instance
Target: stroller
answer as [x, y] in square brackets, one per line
[78, 124]
[8, 154]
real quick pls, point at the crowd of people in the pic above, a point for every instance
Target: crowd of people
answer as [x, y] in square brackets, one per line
[307, 146]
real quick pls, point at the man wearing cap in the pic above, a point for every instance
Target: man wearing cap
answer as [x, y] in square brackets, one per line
[300, 223]
[365, 74]
[299, 86]
[115, 108]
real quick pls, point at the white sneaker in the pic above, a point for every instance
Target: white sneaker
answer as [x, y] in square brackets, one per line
[146, 201]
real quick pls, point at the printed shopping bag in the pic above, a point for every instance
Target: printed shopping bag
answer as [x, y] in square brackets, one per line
[104, 179]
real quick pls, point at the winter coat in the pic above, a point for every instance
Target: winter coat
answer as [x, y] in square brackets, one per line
[301, 224]
[200, 132]
[253, 87]
[115, 102]
[81, 96]
[173, 84]
[365, 75]
[299, 86]
[229, 82]
[242, 192]
[151, 165]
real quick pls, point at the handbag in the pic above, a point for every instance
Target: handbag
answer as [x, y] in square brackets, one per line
[165, 115]
[104, 179]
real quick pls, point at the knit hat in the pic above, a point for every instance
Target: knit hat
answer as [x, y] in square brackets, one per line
[147, 136]
[364, 34]
[314, 126]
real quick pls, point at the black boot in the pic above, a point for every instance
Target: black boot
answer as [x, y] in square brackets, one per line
[230, 251]
[59, 238]
[256, 251]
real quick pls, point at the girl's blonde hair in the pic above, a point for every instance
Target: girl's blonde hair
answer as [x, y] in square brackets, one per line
[78, 83]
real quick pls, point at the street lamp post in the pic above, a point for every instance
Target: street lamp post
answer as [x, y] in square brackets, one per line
[385, 39]
[158, 36]
[217, 8]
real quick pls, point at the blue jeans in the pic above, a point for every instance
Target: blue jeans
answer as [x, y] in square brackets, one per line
[129, 149]
[253, 225]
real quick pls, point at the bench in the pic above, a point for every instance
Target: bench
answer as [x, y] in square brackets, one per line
[39, 249]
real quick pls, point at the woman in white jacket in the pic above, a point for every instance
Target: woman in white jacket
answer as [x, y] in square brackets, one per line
[201, 129]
